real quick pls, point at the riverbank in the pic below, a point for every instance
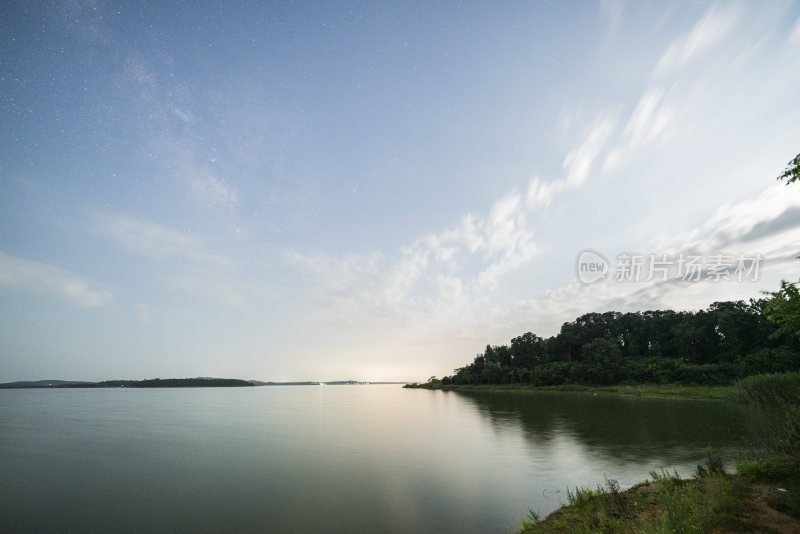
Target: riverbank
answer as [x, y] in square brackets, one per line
[711, 502]
[635, 390]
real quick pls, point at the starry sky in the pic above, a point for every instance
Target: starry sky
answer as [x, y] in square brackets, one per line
[377, 190]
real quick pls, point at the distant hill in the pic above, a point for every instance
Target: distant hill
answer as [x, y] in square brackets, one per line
[151, 383]
[39, 384]
[199, 382]
[166, 383]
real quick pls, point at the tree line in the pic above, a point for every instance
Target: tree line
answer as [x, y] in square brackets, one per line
[725, 342]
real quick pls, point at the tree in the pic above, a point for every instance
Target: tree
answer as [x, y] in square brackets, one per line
[783, 309]
[792, 172]
[602, 358]
[527, 350]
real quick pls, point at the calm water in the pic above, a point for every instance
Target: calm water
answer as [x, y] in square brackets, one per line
[327, 458]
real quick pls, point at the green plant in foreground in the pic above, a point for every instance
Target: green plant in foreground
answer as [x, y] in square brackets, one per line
[530, 520]
[712, 466]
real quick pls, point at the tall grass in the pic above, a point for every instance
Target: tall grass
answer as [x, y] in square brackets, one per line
[777, 460]
[711, 501]
[769, 390]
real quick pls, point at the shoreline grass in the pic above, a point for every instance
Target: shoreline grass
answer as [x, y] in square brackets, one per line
[634, 390]
[712, 501]
[666, 504]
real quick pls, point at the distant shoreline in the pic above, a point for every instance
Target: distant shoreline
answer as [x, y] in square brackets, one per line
[203, 382]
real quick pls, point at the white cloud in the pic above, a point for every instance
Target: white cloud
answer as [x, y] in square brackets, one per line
[744, 223]
[337, 275]
[708, 31]
[650, 119]
[421, 283]
[541, 193]
[155, 240]
[767, 224]
[794, 37]
[451, 289]
[649, 122]
[577, 166]
[509, 237]
[578, 162]
[44, 278]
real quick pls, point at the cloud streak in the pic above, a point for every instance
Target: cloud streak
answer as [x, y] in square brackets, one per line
[30, 275]
[435, 273]
[706, 33]
[577, 166]
[154, 240]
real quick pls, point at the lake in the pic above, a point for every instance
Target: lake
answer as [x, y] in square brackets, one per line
[367, 458]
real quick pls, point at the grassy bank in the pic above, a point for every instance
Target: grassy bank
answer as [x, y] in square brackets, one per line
[763, 496]
[714, 502]
[637, 390]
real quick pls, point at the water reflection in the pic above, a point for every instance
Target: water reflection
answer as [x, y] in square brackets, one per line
[629, 428]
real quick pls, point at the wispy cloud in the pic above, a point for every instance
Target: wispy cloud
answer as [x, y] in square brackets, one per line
[709, 30]
[577, 165]
[753, 223]
[649, 122]
[44, 278]
[794, 37]
[154, 240]
[437, 276]
[767, 224]
[578, 162]
[456, 268]
[193, 269]
[650, 119]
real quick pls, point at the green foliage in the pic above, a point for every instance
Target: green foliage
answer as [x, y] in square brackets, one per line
[712, 466]
[778, 436]
[531, 520]
[773, 468]
[792, 171]
[700, 506]
[769, 390]
[716, 346]
[783, 309]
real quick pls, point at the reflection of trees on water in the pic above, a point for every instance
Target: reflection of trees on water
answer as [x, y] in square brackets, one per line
[626, 427]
